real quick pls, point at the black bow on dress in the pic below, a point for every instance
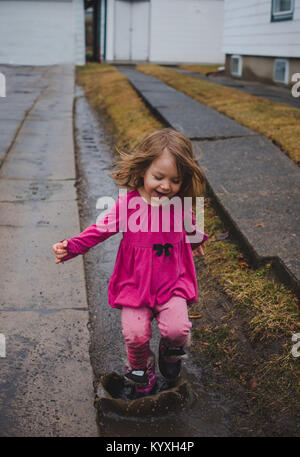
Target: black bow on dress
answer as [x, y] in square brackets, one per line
[160, 248]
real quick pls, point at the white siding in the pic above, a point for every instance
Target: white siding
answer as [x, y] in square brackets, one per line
[180, 31]
[79, 31]
[41, 32]
[186, 31]
[248, 30]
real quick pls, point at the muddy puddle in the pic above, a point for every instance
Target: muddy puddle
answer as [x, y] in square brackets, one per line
[205, 413]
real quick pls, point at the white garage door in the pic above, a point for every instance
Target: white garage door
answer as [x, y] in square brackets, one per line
[131, 30]
[39, 32]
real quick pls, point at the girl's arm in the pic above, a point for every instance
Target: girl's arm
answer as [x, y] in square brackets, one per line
[195, 237]
[94, 234]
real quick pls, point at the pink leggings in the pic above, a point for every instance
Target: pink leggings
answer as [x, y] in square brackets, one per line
[173, 323]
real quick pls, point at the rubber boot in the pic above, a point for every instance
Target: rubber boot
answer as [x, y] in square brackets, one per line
[169, 361]
[144, 380]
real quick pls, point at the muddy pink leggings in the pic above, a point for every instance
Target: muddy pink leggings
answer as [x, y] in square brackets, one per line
[173, 323]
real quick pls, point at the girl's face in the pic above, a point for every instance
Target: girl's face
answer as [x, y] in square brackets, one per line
[162, 179]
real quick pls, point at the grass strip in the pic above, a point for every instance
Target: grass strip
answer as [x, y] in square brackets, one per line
[277, 121]
[202, 69]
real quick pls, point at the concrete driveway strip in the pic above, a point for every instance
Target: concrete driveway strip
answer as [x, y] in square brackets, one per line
[23, 87]
[46, 380]
[255, 184]
[181, 112]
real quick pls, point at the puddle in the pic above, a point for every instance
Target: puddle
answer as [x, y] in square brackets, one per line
[115, 394]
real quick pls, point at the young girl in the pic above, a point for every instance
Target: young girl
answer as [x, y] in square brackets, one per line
[154, 274]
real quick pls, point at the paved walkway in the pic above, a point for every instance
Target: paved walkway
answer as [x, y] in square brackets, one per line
[46, 381]
[255, 185]
[274, 93]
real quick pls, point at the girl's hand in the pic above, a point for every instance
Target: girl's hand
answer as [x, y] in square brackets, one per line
[199, 250]
[60, 250]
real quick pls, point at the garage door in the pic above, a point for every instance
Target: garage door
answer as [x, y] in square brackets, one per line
[131, 30]
[38, 32]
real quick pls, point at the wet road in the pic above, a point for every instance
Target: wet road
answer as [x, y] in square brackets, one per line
[206, 416]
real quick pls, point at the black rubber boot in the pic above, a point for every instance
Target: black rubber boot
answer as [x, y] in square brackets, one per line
[169, 361]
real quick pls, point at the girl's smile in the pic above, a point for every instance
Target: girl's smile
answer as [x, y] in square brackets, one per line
[160, 194]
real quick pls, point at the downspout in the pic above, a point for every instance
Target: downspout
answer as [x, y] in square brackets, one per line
[105, 22]
[99, 29]
[96, 56]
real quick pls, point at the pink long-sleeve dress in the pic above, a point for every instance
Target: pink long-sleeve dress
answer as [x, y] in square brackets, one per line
[154, 260]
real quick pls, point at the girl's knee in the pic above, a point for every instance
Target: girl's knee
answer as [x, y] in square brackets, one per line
[136, 326]
[177, 335]
[135, 338]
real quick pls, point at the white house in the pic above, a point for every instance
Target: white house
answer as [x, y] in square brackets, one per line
[262, 39]
[42, 32]
[162, 31]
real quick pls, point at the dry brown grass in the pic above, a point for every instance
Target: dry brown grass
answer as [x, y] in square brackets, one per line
[202, 69]
[277, 121]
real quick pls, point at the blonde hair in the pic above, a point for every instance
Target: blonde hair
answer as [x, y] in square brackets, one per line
[131, 167]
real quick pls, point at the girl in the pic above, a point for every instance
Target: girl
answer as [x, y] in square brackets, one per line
[154, 274]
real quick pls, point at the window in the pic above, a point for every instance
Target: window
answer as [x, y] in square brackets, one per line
[281, 71]
[236, 65]
[282, 10]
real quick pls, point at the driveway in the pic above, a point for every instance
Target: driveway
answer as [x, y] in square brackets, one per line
[46, 380]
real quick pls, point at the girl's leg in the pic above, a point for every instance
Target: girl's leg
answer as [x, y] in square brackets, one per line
[137, 334]
[174, 326]
[173, 321]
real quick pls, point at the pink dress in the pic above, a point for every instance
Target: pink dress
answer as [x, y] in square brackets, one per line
[154, 261]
